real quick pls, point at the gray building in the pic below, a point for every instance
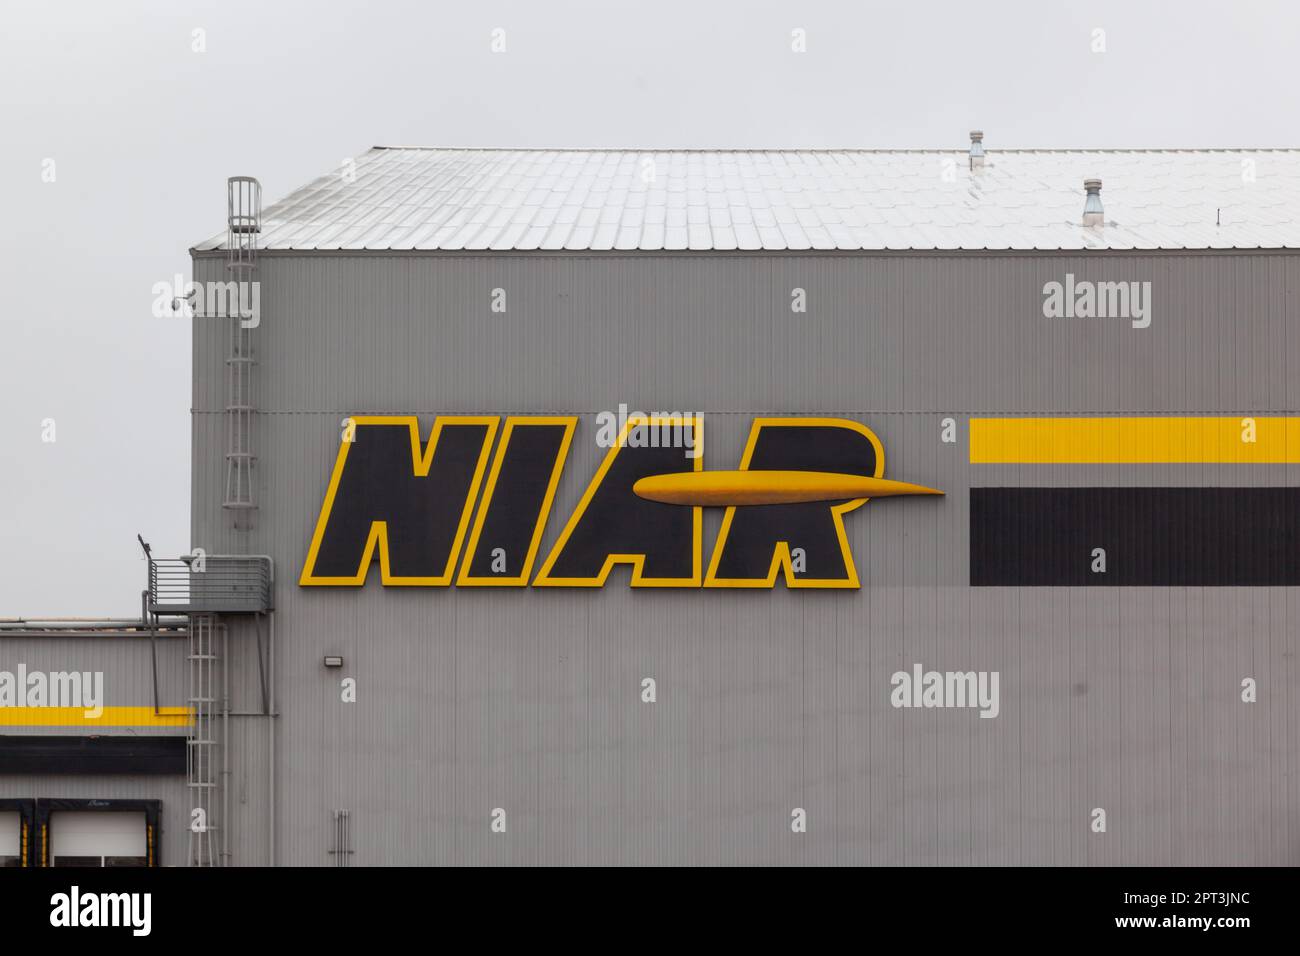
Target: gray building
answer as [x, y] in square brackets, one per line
[1080, 654]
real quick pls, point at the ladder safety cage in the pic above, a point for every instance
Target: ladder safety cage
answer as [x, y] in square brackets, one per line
[206, 676]
[243, 226]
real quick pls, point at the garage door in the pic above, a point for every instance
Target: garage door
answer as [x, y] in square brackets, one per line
[10, 838]
[97, 838]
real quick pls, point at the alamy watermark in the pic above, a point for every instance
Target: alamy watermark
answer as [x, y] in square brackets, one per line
[656, 430]
[1085, 299]
[922, 688]
[187, 299]
[74, 908]
[74, 689]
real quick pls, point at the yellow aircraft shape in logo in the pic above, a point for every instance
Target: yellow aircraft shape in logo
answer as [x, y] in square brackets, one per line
[728, 488]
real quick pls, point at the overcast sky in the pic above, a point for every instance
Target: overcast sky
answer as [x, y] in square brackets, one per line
[143, 131]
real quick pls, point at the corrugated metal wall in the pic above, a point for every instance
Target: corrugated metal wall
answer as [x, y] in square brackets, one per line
[126, 664]
[528, 700]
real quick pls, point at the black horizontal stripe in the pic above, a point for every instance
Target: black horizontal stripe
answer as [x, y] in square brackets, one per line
[1152, 537]
[91, 755]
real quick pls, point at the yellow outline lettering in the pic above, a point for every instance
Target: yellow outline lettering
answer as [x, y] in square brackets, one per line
[378, 538]
[569, 422]
[781, 560]
[696, 423]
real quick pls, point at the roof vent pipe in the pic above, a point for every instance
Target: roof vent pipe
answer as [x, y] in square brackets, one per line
[1093, 213]
[976, 149]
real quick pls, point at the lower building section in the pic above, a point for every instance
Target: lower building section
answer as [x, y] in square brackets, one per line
[896, 725]
[85, 832]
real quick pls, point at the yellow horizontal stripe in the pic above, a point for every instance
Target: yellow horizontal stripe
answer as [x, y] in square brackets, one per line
[1106, 441]
[76, 717]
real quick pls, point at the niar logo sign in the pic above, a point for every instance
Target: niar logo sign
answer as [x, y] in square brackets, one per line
[409, 507]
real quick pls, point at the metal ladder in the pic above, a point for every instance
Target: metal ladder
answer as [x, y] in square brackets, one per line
[202, 750]
[243, 226]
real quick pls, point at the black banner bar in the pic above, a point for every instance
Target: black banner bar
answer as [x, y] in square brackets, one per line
[1234, 909]
[1134, 537]
[91, 755]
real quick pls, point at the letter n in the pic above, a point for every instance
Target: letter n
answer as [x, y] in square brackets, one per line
[754, 543]
[389, 500]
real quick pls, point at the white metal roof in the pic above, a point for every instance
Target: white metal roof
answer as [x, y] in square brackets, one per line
[835, 199]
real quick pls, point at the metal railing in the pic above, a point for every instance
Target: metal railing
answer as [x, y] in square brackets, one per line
[214, 584]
